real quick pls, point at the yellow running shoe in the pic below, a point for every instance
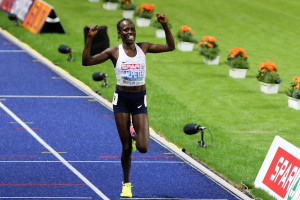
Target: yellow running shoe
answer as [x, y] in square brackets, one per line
[133, 146]
[126, 190]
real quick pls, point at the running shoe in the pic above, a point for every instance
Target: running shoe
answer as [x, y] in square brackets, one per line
[132, 132]
[126, 190]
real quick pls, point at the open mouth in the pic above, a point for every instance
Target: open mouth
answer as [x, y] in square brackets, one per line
[131, 37]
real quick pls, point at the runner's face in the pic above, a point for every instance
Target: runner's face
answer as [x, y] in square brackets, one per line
[127, 32]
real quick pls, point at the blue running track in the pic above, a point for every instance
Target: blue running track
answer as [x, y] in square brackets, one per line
[57, 142]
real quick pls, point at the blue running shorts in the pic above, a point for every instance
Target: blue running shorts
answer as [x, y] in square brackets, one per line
[130, 102]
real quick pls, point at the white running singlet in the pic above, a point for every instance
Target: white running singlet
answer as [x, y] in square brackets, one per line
[131, 71]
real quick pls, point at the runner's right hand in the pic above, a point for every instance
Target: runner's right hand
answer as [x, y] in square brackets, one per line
[93, 30]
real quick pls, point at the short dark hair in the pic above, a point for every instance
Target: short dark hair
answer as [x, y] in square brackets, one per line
[118, 24]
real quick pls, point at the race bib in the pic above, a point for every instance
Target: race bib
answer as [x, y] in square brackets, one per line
[115, 99]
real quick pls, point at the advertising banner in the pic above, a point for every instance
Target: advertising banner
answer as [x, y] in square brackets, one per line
[21, 8]
[42, 18]
[36, 16]
[279, 174]
[6, 5]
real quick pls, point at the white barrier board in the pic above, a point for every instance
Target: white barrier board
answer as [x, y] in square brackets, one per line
[279, 174]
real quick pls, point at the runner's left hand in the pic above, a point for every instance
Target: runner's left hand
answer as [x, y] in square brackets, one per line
[161, 18]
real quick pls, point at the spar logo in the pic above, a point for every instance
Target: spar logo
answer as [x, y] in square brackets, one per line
[130, 66]
[132, 72]
[283, 175]
[294, 192]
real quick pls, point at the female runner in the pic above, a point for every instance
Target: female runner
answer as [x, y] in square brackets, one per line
[129, 62]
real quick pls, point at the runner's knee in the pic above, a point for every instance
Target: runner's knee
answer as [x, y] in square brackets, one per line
[142, 149]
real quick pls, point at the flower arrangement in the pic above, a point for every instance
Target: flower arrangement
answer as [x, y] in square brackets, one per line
[237, 58]
[127, 5]
[186, 34]
[209, 48]
[146, 11]
[268, 73]
[294, 89]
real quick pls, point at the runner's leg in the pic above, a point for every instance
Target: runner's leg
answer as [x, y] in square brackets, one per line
[123, 125]
[141, 127]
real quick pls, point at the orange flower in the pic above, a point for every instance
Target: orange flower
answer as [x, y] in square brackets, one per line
[151, 8]
[235, 51]
[148, 7]
[297, 79]
[183, 28]
[186, 28]
[209, 39]
[268, 65]
[261, 65]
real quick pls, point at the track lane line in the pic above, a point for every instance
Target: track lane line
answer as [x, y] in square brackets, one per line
[12, 51]
[45, 197]
[37, 96]
[49, 148]
[141, 162]
[172, 198]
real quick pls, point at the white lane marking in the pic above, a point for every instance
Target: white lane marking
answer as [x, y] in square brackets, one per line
[173, 198]
[37, 96]
[49, 148]
[27, 161]
[11, 51]
[45, 197]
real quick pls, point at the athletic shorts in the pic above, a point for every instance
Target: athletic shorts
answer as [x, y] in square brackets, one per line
[130, 102]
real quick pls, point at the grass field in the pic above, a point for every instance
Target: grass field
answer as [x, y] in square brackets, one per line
[182, 89]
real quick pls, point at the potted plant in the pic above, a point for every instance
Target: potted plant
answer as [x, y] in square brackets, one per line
[237, 60]
[128, 8]
[110, 4]
[159, 31]
[210, 50]
[144, 15]
[268, 77]
[293, 94]
[186, 39]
